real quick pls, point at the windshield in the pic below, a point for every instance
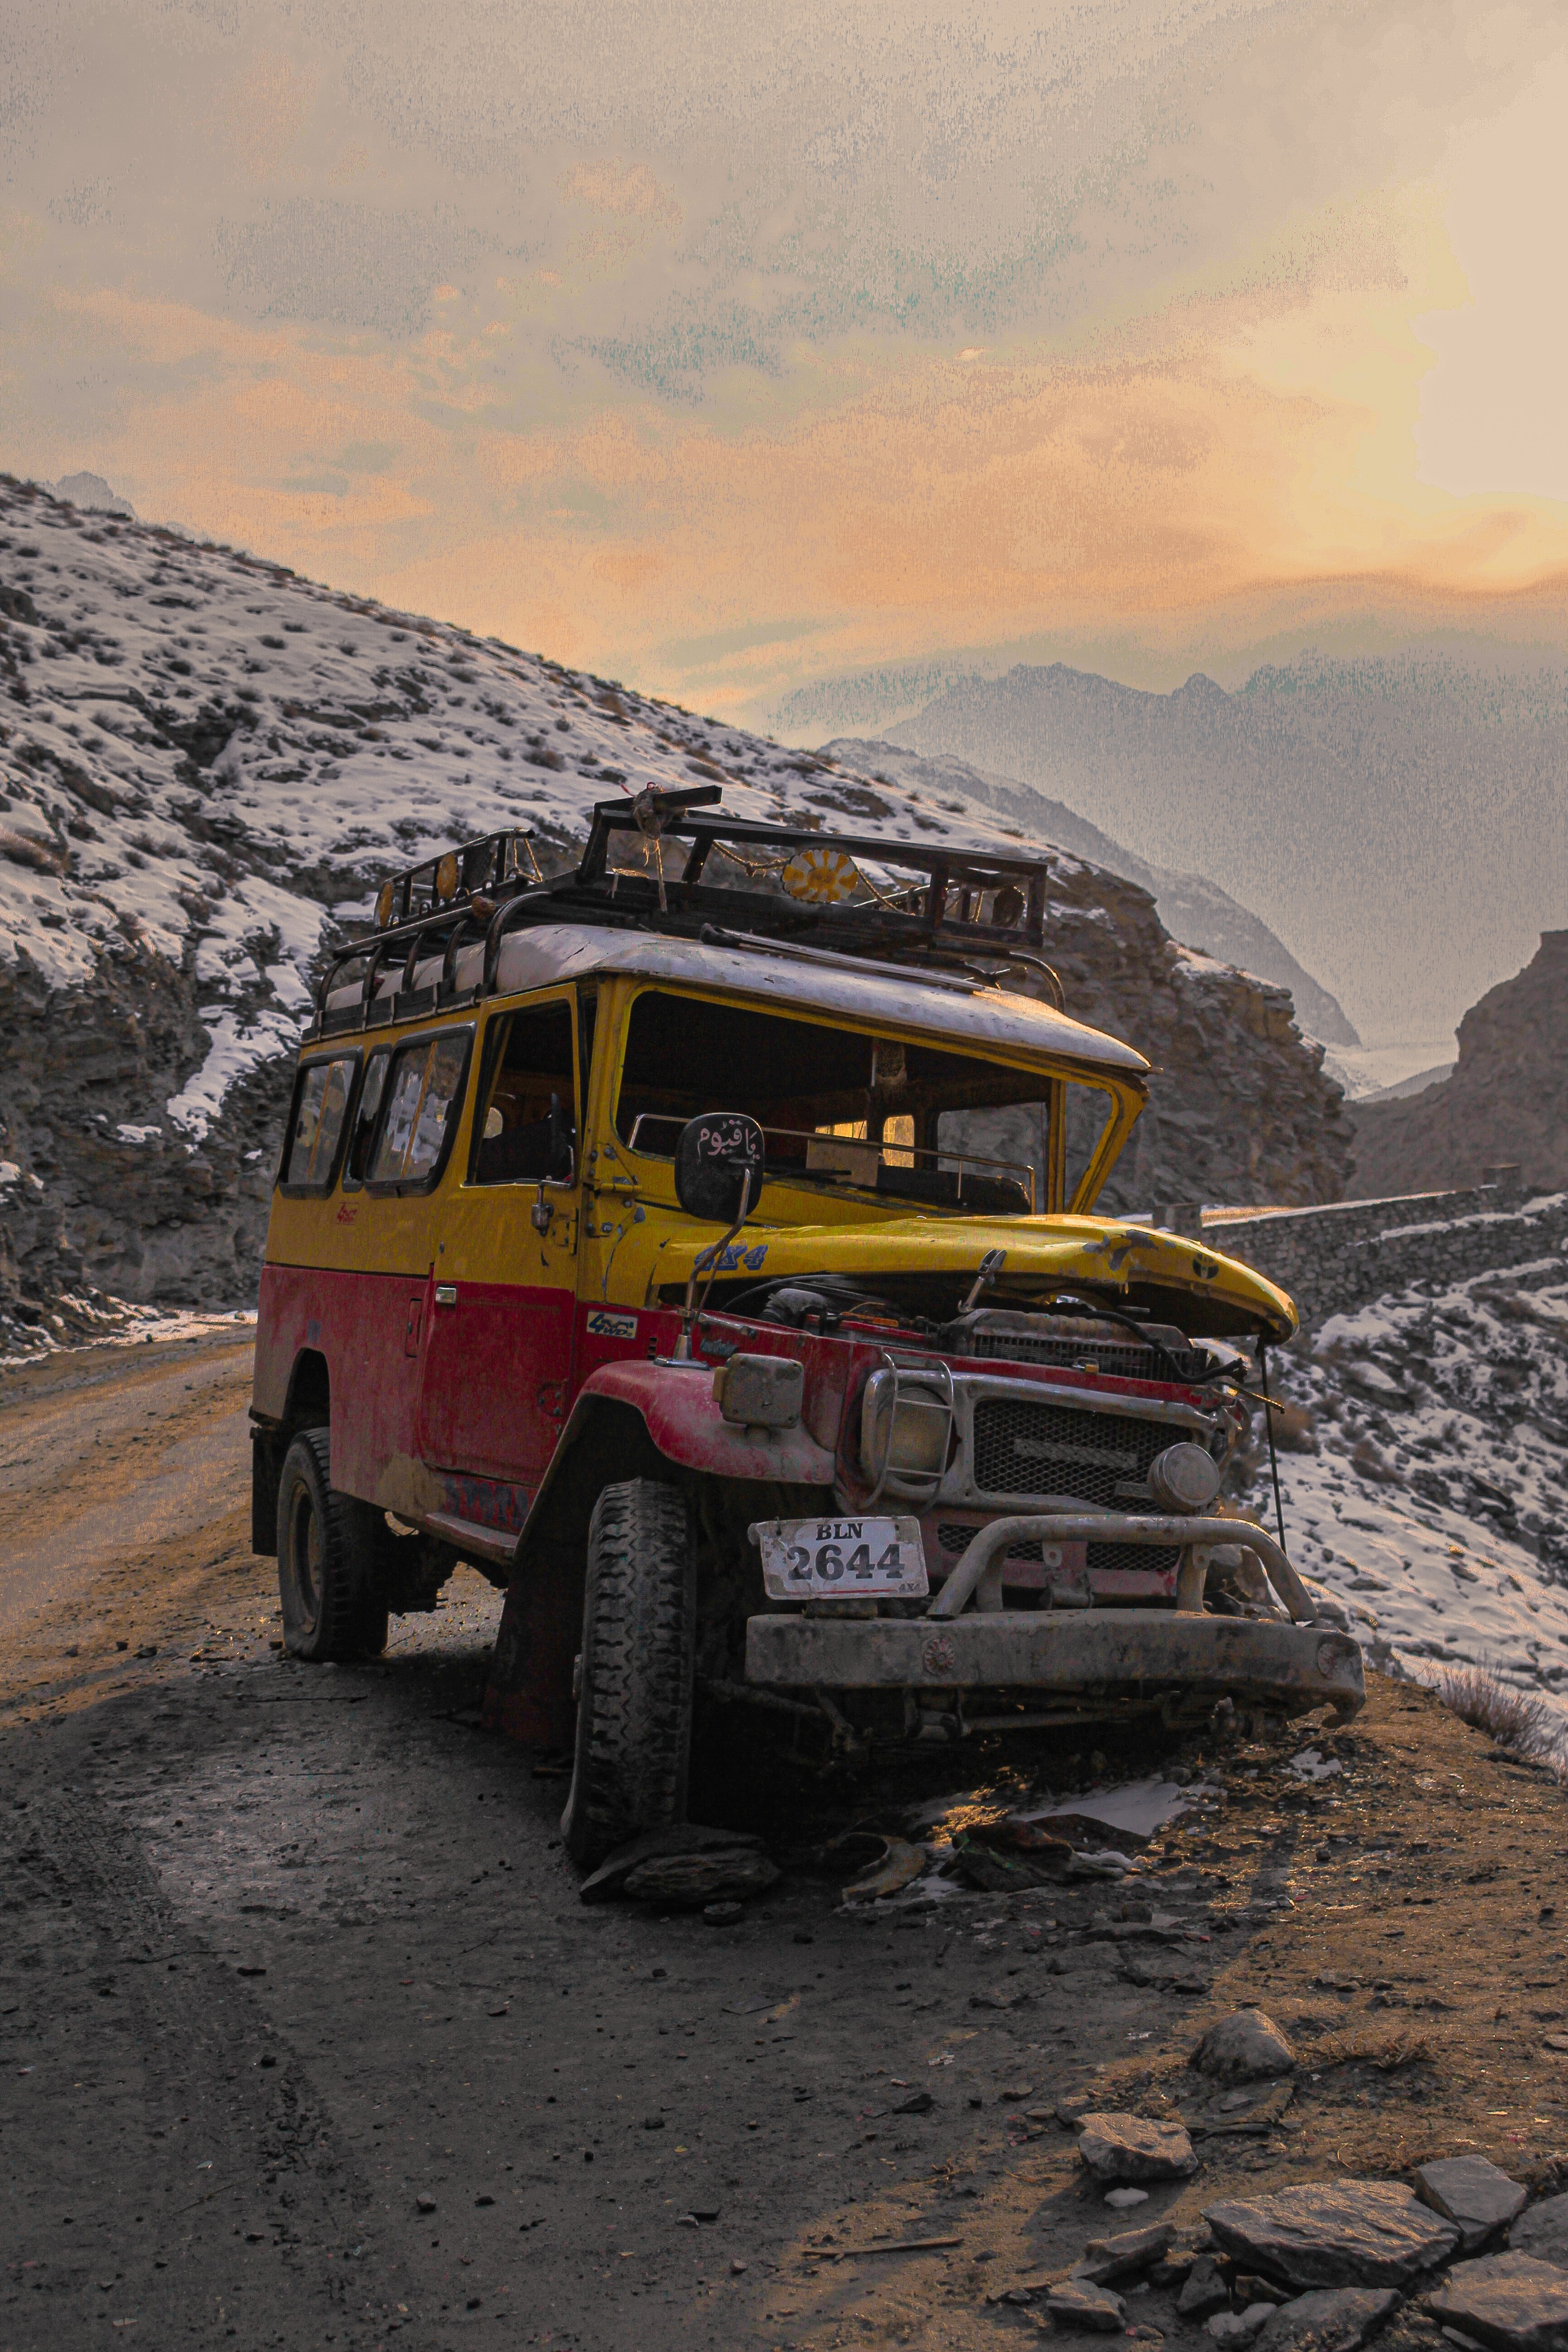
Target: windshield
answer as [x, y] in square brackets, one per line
[841, 1110]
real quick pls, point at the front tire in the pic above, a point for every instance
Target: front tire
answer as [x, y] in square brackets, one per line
[634, 1694]
[325, 1561]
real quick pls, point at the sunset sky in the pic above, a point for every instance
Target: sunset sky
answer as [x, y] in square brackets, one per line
[723, 347]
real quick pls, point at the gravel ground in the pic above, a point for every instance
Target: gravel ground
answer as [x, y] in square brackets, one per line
[306, 2038]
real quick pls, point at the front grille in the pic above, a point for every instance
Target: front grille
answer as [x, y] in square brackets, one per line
[1042, 1449]
[954, 1540]
[1127, 1361]
[1105, 1557]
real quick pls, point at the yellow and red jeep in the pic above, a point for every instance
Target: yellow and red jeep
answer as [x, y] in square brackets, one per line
[700, 1244]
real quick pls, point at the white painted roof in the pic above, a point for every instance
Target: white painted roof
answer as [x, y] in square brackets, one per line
[793, 981]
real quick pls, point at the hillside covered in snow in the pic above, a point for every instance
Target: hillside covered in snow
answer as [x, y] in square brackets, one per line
[1426, 1486]
[207, 765]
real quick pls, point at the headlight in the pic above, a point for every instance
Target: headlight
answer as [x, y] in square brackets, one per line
[1183, 1478]
[908, 1434]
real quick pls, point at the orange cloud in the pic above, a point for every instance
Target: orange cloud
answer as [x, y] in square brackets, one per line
[1182, 481]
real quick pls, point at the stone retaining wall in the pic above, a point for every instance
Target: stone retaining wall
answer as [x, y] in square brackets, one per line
[1336, 1259]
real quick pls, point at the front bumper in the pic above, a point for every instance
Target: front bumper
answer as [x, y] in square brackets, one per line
[1121, 1657]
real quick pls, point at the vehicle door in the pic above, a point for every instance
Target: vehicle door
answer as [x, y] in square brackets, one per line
[496, 1380]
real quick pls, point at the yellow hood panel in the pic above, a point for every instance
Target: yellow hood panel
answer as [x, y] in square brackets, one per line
[1039, 1250]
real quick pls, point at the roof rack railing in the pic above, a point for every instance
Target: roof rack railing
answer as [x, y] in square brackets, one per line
[957, 878]
[965, 900]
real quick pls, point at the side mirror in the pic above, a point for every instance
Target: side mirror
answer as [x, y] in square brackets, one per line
[715, 1155]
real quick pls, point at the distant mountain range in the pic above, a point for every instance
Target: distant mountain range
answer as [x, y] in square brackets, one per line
[1194, 911]
[1401, 822]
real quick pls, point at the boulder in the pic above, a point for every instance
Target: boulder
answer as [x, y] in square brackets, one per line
[1076, 2303]
[1107, 2260]
[1473, 2193]
[1335, 2233]
[1511, 2302]
[1244, 2048]
[1543, 2232]
[1135, 2148]
[1333, 2319]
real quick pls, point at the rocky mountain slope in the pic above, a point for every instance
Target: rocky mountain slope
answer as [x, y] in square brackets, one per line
[1426, 1485]
[1401, 820]
[1192, 909]
[1505, 1100]
[205, 766]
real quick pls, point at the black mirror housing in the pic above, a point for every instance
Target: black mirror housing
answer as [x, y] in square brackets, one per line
[716, 1153]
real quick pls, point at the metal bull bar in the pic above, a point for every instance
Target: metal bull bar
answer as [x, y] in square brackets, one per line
[978, 1570]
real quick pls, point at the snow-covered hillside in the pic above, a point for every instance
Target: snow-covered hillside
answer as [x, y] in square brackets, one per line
[207, 765]
[1435, 1505]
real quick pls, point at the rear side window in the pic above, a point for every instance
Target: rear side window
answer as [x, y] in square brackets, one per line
[424, 1094]
[318, 1111]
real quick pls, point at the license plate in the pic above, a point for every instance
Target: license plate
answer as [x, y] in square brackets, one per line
[841, 1559]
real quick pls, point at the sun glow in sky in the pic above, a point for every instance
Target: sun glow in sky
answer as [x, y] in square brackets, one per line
[722, 348]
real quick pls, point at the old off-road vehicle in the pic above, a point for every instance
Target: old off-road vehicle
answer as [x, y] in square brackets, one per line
[700, 1244]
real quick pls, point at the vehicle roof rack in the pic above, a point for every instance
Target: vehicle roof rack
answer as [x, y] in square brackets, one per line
[793, 884]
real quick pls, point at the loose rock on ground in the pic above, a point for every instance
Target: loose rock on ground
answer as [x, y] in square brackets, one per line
[1339, 2234]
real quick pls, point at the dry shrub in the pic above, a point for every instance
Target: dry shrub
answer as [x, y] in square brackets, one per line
[1386, 2051]
[1513, 1718]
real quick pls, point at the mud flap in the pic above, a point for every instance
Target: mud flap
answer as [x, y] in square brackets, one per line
[266, 1469]
[529, 1695]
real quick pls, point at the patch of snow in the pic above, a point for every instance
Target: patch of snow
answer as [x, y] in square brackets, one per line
[1436, 1508]
[1311, 1765]
[240, 1044]
[129, 1134]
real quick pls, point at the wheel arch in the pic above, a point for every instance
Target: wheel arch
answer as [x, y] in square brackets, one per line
[608, 1438]
[306, 1404]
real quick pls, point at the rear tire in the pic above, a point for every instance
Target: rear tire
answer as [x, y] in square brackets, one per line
[326, 1561]
[634, 1694]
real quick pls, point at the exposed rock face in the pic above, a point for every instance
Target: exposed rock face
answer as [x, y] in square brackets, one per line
[205, 766]
[1507, 1099]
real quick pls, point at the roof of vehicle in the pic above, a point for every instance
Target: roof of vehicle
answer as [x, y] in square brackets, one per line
[796, 980]
[799, 980]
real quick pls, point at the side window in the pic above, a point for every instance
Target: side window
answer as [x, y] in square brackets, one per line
[527, 1132]
[423, 1091]
[365, 1128]
[319, 1107]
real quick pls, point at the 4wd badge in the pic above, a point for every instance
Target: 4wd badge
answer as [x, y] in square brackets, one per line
[603, 1323]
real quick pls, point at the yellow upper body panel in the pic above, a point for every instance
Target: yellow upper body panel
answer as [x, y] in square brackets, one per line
[617, 1234]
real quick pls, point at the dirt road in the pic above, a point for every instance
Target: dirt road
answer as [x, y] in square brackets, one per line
[307, 2039]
